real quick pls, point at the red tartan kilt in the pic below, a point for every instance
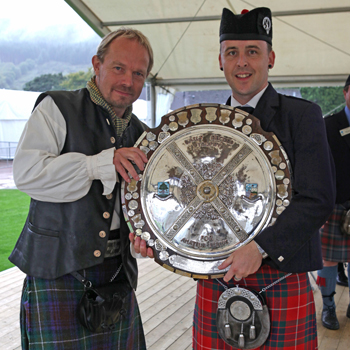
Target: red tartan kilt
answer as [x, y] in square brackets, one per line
[291, 307]
[335, 245]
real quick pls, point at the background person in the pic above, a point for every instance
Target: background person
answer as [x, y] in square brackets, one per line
[342, 278]
[75, 148]
[335, 244]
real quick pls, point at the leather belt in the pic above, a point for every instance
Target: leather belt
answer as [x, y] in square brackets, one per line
[113, 248]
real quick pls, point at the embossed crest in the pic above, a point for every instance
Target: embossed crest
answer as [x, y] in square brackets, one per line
[183, 120]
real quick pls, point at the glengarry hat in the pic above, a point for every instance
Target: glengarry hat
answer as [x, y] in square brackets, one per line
[347, 83]
[250, 25]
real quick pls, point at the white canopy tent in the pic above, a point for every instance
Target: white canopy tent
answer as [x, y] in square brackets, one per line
[310, 38]
[16, 107]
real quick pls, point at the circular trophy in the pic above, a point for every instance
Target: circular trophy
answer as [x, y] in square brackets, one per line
[214, 180]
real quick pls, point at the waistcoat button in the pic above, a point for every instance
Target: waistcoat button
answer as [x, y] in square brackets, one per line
[97, 253]
[102, 234]
[106, 215]
[109, 196]
[112, 139]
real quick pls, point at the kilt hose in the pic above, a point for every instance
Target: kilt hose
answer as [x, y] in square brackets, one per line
[291, 308]
[49, 314]
[335, 245]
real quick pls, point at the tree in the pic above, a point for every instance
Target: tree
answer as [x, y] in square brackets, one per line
[45, 82]
[8, 73]
[329, 98]
[75, 81]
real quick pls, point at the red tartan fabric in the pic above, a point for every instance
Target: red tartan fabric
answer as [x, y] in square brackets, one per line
[291, 306]
[335, 245]
[321, 281]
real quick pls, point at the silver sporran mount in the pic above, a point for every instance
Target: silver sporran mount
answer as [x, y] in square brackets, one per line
[213, 181]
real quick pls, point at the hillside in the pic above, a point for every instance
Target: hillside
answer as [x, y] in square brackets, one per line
[21, 62]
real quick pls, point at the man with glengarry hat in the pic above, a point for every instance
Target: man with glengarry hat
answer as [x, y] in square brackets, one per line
[336, 242]
[292, 243]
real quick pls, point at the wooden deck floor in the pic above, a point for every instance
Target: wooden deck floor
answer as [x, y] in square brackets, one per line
[166, 302]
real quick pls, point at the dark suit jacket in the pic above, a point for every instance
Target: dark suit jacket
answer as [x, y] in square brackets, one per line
[293, 242]
[340, 147]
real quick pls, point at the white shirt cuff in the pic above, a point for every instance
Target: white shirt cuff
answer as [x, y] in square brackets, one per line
[101, 167]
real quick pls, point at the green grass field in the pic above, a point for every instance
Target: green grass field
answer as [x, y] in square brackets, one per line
[14, 207]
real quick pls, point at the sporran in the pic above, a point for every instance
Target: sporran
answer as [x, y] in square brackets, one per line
[100, 308]
[345, 223]
[242, 317]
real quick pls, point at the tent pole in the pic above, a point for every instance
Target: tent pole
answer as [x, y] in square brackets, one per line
[151, 99]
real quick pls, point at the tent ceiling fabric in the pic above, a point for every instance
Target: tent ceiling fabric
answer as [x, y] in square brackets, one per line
[311, 38]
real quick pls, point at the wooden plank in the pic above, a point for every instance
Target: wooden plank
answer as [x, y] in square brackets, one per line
[163, 279]
[170, 293]
[184, 341]
[156, 276]
[176, 332]
[12, 340]
[344, 341]
[160, 326]
[167, 304]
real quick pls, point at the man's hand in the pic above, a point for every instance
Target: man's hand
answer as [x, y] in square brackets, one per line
[122, 161]
[140, 246]
[244, 262]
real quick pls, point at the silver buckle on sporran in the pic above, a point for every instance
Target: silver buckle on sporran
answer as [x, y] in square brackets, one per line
[345, 223]
[242, 318]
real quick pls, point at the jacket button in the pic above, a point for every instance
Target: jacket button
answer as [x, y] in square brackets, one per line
[109, 196]
[102, 234]
[106, 215]
[281, 258]
[97, 253]
[112, 139]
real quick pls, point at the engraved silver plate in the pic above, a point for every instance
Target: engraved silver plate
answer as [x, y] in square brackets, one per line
[207, 189]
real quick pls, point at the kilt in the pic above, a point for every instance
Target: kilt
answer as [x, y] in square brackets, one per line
[335, 245]
[49, 314]
[291, 308]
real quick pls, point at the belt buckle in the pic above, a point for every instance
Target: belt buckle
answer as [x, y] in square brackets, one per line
[113, 248]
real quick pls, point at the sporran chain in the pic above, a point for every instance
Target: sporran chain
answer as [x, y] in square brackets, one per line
[265, 288]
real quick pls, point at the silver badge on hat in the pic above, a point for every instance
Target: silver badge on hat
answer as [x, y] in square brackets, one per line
[266, 23]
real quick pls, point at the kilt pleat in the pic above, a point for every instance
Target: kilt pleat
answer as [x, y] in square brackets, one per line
[335, 245]
[49, 315]
[291, 308]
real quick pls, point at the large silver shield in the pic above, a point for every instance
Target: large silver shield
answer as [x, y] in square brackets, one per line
[213, 181]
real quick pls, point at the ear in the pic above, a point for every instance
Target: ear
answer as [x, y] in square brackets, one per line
[272, 57]
[96, 64]
[220, 62]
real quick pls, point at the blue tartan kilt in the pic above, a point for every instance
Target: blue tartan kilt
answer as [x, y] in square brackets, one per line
[49, 314]
[335, 245]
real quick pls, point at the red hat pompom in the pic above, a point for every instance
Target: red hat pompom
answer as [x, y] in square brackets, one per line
[244, 11]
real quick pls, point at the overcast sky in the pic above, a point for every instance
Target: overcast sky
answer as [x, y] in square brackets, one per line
[27, 19]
